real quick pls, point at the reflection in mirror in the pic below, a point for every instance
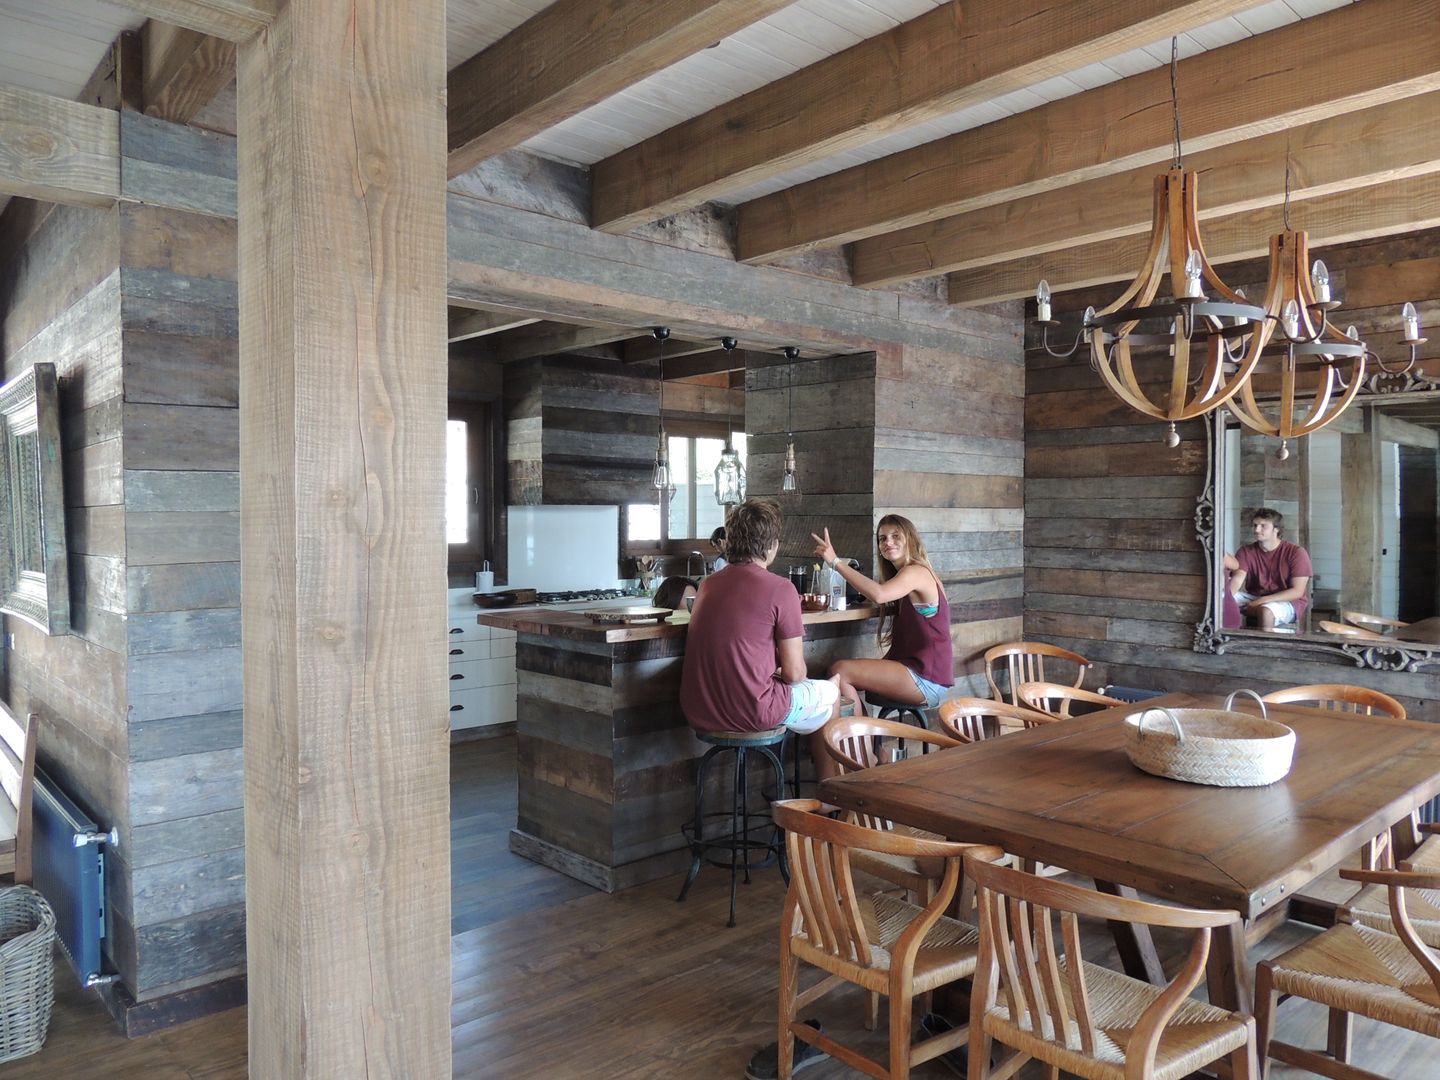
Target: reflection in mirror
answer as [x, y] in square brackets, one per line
[34, 578]
[1362, 497]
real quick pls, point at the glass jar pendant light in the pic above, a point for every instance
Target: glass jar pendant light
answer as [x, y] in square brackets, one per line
[729, 473]
[790, 481]
[660, 475]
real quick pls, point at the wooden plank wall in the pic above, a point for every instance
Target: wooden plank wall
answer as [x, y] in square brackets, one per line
[581, 430]
[60, 302]
[142, 704]
[182, 862]
[1112, 566]
[949, 445]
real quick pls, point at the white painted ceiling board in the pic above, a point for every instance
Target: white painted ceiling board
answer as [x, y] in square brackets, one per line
[53, 46]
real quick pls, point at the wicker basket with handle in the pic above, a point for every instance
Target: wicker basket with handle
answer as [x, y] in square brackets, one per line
[1219, 747]
[27, 971]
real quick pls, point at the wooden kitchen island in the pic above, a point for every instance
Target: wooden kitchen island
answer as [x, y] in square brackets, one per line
[606, 760]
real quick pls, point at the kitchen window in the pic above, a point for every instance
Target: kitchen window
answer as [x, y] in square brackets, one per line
[693, 512]
[470, 459]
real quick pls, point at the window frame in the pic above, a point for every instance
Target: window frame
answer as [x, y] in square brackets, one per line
[483, 448]
[668, 544]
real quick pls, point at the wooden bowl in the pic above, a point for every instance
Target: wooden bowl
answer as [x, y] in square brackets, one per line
[814, 601]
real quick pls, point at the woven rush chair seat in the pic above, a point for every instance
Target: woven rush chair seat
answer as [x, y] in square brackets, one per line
[1351, 968]
[1196, 1035]
[1371, 905]
[947, 951]
[914, 873]
[1363, 971]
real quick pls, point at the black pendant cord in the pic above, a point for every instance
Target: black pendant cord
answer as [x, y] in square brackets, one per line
[792, 353]
[1175, 96]
[729, 344]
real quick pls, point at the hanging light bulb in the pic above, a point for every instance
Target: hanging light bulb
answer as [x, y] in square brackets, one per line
[790, 481]
[730, 472]
[660, 475]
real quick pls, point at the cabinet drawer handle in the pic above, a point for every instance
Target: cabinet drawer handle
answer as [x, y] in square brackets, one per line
[454, 677]
[457, 629]
[456, 708]
[457, 652]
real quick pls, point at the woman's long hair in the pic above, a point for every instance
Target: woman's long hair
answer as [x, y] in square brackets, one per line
[885, 570]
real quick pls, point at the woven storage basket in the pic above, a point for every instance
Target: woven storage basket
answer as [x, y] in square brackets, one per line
[1218, 747]
[27, 971]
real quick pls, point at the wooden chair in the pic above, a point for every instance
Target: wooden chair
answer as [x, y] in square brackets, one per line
[17, 781]
[964, 719]
[1360, 700]
[1056, 700]
[1345, 698]
[1048, 1003]
[1350, 969]
[1024, 661]
[1345, 630]
[881, 943]
[1376, 624]
[857, 743]
[1371, 905]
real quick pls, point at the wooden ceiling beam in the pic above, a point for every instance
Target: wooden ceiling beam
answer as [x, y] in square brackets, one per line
[465, 324]
[950, 58]
[1399, 206]
[183, 70]
[643, 350]
[1290, 76]
[233, 20]
[1357, 149]
[57, 150]
[572, 55]
[547, 340]
[713, 362]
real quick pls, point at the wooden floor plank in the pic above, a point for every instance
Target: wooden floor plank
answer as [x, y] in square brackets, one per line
[641, 987]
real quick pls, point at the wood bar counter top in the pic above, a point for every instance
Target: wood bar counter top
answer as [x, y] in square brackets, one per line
[606, 761]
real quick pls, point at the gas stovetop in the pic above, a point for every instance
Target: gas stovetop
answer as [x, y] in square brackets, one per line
[578, 595]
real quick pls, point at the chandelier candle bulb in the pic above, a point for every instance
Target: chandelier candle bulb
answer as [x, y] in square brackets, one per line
[1290, 319]
[1411, 318]
[1042, 301]
[1320, 278]
[1193, 269]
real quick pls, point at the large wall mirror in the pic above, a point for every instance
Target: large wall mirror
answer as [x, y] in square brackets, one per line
[1362, 497]
[34, 582]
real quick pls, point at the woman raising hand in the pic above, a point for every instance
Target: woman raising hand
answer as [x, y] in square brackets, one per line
[918, 666]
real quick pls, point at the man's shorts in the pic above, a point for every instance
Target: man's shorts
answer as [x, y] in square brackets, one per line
[811, 703]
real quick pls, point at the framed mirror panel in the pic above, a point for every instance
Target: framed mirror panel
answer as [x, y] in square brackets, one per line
[34, 578]
[1362, 499]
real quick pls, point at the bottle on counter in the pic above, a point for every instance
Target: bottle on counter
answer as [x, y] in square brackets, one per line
[837, 590]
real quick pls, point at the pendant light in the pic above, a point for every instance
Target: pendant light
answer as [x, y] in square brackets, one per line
[1299, 347]
[1200, 330]
[729, 473]
[660, 475]
[790, 482]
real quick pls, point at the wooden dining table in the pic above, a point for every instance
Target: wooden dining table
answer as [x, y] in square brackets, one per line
[1066, 794]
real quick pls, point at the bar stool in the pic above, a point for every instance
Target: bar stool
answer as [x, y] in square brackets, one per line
[736, 839]
[903, 711]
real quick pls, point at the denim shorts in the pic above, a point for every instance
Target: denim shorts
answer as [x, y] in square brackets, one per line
[932, 692]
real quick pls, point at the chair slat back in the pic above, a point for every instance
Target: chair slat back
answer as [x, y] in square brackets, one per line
[1039, 974]
[857, 743]
[825, 892]
[1340, 697]
[964, 719]
[1025, 661]
[1058, 700]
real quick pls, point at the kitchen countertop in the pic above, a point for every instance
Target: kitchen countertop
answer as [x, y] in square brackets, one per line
[576, 626]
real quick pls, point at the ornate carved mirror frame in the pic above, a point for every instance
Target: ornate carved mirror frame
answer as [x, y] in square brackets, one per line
[1210, 634]
[34, 574]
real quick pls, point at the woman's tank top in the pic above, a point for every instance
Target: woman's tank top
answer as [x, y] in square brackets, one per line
[921, 644]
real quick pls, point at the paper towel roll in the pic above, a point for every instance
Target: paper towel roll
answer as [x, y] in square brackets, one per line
[484, 581]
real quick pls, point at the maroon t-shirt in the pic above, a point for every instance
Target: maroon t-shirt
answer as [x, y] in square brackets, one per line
[729, 682]
[1269, 572]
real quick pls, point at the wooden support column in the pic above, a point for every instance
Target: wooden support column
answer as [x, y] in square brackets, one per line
[342, 418]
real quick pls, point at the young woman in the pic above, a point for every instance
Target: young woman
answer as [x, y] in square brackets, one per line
[918, 666]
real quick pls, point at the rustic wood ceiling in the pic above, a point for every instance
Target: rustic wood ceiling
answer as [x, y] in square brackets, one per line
[990, 141]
